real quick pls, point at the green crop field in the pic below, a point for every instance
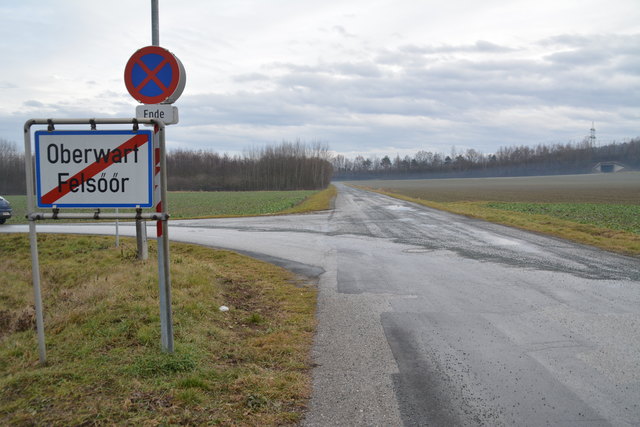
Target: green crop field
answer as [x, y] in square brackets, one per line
[616, 217]
[599, 209]
[228, 203]
[198, 204]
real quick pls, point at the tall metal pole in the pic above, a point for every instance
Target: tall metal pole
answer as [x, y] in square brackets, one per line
[155, 27]
[164, 272]
[164, 275]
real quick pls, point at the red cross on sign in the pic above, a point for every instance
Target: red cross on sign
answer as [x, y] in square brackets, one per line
[153, 75]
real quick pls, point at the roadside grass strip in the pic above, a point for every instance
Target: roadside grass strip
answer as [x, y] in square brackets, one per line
[609, 227]
[319, 201]
[249, 365]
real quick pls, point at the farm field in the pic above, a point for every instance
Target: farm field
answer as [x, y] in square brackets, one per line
[199, 204]
[620, 188]
[600, 209]
[227, 203]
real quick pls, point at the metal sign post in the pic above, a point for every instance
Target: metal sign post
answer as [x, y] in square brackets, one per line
[162, 232]
[67, 190]
[155, 27]
[117, 231]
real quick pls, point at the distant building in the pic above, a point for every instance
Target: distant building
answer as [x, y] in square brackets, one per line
[608, 167]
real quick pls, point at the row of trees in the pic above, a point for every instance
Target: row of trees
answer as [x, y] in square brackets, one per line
[507, 161]
[296, 165]
[287, 166]
[12, 176]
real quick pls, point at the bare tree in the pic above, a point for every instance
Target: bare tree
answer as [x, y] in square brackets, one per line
[287, 166]
[12, 178]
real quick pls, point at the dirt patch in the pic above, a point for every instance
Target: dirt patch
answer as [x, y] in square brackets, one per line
[17, 320]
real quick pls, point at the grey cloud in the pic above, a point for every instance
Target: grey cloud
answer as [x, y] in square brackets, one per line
[596, 49]
[627, 43]
[566, 40]
[447, 89]
[480, 46]
[362, 69]
[579, 58]
[268, 108]
[341, 30]
[251, 77]
[33, 103]
[485, 46]
[405, 98]
[419, 97]
[396, 57]
[629, 65]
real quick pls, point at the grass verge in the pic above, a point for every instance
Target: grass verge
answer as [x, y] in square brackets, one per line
[569, 222]
[319, 201]
[247, 366]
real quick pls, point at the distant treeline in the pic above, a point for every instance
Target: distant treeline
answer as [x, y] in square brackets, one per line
[11, 169]
[507, 161]
[300, 166]
[287, 166]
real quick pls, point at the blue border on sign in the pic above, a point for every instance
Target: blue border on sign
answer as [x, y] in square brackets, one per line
[97, 132]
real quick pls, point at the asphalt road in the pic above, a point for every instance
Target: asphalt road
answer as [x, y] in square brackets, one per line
[427, 318]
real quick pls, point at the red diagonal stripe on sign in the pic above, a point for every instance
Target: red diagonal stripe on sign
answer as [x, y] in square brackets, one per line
[93, 169]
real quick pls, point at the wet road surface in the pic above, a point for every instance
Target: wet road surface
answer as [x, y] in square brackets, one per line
[427, 318]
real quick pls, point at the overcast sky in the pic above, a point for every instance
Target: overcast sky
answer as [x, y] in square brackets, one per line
[369, 77]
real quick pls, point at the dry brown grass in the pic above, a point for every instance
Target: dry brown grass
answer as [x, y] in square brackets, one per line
[247, 366]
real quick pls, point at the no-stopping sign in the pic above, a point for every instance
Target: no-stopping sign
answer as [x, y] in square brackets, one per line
[153, 75]
[94, 168]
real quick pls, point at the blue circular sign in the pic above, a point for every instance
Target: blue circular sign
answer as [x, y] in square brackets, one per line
[153, 75]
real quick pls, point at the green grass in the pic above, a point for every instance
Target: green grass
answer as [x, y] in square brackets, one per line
[202, 204]
[615, 217]
[227, 203]
[247, 366]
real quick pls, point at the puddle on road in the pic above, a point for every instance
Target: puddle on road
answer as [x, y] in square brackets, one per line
[417, 251]
[398, 208]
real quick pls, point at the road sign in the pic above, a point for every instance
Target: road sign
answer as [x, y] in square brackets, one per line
[153, 75]
[111, 168]
[167, 113]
